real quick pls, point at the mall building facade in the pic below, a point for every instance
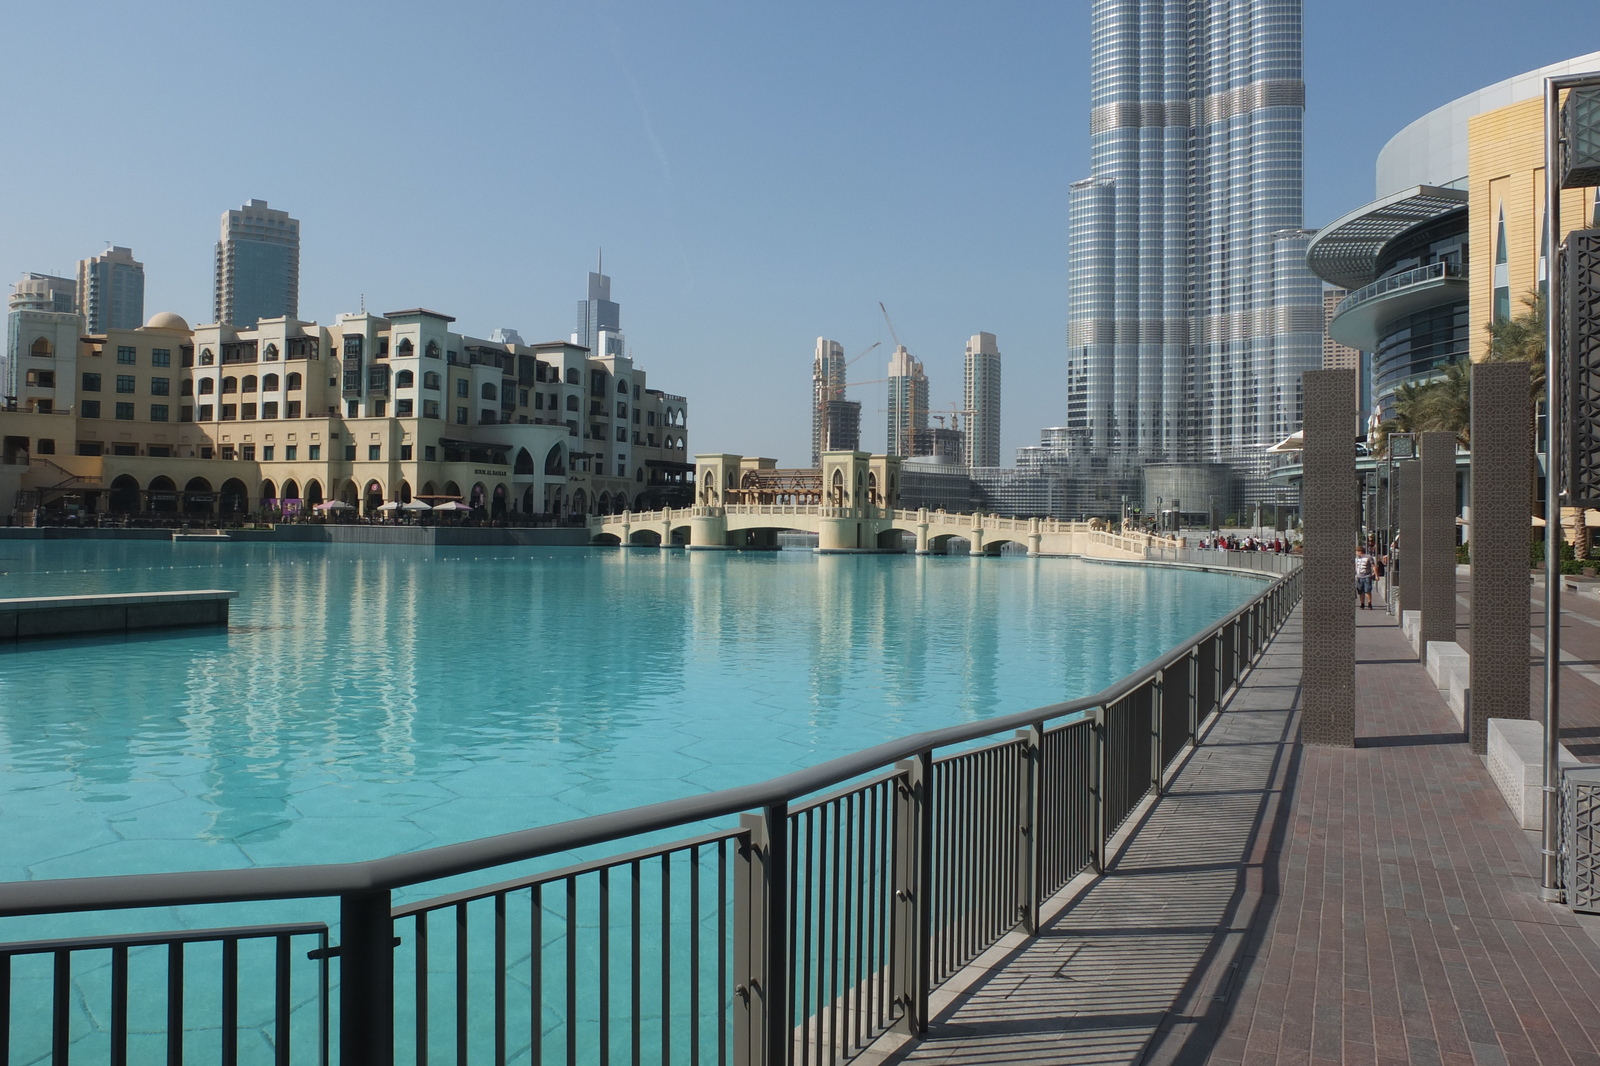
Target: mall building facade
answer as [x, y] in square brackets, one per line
[1453, 239]
[214, 422]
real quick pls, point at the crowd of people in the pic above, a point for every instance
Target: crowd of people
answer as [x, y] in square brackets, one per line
[1232, 542]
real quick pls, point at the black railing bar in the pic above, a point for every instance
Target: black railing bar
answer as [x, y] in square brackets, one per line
[147, 940]
[888, 774]
[471, 895]
[967, 753]
[65, 895]
[1076, 723]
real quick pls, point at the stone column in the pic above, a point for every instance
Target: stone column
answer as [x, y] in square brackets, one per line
[1501, 455]
[1436, 560]
[1328, 502]
[1408, 502]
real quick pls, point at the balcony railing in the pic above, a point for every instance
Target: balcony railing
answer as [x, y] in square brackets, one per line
[1384, 286]
[820, 919]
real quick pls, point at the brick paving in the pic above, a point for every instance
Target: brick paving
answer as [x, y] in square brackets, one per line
[1302, 905]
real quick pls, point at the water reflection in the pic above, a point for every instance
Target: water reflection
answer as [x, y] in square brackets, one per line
[369, 700]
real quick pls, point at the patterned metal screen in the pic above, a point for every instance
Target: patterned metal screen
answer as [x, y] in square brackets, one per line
[1580, 131]
[1580, 329]
[1580, 837]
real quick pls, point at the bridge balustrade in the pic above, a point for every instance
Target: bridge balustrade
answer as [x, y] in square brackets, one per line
[817, 911]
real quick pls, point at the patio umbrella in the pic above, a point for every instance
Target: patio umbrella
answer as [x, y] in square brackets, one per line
[415, 505]
[334, 505]
[452, 505]
[390, 506]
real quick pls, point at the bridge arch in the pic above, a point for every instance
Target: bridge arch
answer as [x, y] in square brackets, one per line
[647, 537]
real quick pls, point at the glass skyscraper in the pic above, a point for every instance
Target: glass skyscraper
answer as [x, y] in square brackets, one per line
[1191, 313]
[599, 319]
[258, 266]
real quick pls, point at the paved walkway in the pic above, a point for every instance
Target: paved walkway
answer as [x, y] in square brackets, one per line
[1301, 905]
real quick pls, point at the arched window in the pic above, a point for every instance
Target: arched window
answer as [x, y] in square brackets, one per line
[638, 475]
[404, 380]
[42, 348]
[573, 377]
[230, 384]
[207, 357]
[524, 464]
[430, 380]
[207, 386]
[405, 347]
[271, 354]
[269, 383]
[249, 383]
[572, 403]
[490, 392]
[622, 388]
[555, 461]
[294, 382]
[432, 350]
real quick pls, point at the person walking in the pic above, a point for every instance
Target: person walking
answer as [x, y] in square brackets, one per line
[1364, 574]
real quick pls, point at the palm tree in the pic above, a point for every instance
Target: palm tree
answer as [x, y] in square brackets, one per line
[1522, 340]
[1449, 402]
[1407, 414]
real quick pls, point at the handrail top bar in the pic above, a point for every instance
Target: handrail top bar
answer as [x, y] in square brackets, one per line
[123, 891]
[140, 940]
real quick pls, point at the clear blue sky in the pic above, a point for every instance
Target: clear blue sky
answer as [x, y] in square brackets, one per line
[758, 174]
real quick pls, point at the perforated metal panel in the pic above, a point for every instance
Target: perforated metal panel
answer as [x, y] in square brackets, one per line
[1581, 367]
[1580, 837]
[1580, 132]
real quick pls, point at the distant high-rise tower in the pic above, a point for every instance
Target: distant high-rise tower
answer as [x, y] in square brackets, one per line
[1191, 314]
[827, 386]
[111, 290]
[597, 315]
[908, 403]
[982, 401]
[258, 266]
[841, 427]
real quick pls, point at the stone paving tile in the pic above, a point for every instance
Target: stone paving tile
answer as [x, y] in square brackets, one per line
[1300, 905]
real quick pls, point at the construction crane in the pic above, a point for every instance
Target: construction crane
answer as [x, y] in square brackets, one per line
[890, 322]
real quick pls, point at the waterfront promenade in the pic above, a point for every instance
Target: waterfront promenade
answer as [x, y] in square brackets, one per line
[1284, 904]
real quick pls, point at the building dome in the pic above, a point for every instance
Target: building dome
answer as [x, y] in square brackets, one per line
[167, 320]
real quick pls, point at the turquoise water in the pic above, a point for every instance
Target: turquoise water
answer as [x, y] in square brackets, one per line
[368, 701]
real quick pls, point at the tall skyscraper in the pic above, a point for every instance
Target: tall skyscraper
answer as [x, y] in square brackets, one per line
[908, 403]
[598, 315]
[981, 399]
[827, 386]
[1191, 313]
[111, 290]
[258, 266]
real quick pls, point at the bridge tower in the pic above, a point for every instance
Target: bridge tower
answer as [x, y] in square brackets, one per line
[852, 500]
[714, 474]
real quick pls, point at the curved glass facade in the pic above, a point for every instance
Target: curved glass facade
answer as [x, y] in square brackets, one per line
[1418, 348]
[1191, 313]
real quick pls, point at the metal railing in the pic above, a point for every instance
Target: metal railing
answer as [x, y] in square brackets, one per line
[1263, 561]
[1404, 279]
[844, 894]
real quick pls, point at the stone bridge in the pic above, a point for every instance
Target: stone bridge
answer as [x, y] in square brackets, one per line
[864, 529]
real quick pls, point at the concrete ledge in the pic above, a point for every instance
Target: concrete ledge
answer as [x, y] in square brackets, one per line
[1451, 669]
[1411, 626]
[1516, 762]
[71, 616]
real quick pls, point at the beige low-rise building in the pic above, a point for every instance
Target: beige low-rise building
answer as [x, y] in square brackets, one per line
[169, 420]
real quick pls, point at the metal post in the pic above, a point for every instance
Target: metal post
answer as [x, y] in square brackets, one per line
[1028, 818]
[1097, 789]
[1551, 888]
[913, 917]
[1157, 698]
[761, 940]
[366, 980]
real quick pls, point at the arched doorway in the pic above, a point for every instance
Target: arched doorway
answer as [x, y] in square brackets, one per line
[580, 502]
[479, 497]
[124, 497]
[198, 497]
[313, 494]
[527, 500]
[620, 502]
[452, 490]
[497, 508]
[290, 502]
[348, 494]
[373, 497]
[524, 464]
[269, 496]
[605, 504]
[162, 495]
[405, 492]
[233, 497]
